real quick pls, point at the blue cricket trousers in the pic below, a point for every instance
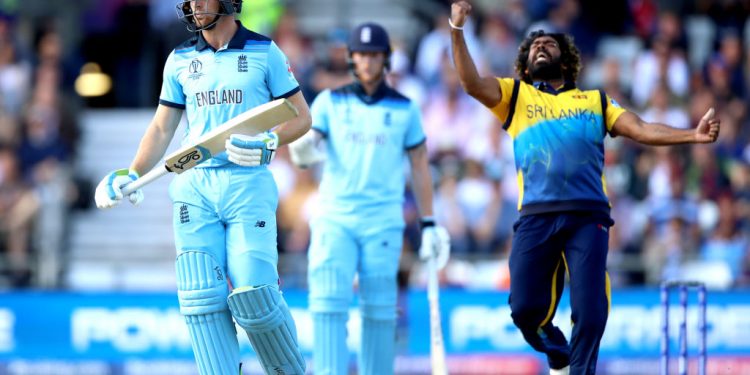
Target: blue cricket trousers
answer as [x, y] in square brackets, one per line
[544, 247]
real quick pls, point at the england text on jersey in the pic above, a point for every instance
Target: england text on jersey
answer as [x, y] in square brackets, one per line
[215, 97]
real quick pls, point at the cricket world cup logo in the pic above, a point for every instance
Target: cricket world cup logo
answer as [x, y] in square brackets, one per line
[195, 68]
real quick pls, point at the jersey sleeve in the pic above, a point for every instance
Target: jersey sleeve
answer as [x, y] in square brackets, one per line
[172, 94]
[612, 112]
[502, 109]
[414, 132]
[280, 77]
[319, 112]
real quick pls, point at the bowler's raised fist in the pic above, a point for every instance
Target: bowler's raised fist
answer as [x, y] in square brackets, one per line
[459, 11]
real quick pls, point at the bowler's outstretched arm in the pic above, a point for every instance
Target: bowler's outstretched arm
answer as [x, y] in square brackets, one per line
[632, 126]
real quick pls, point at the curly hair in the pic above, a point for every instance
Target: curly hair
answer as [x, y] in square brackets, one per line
[570, 57]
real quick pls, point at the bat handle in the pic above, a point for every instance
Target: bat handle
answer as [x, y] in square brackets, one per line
[437, 347]
[147, 178]
[432, 279]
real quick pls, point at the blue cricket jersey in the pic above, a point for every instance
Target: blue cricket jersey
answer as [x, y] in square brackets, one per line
[214, 86]
[367, 138]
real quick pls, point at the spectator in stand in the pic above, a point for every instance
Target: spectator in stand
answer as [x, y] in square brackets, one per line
[448, 112]
[295, 210]
[669, 26]
[661, 63]
[666, 162]
[10, 129]
[18, 209]
[730, 146]
[704, 176]
[401, 78]
[447, 206]
[50, 132]
[560, 17]
[644, 13]
[730, 55]
[433, 47]
[334, 70]
[298, 50]
[499, 44]
[744, 278]
[15, 72]
[726, 245]
[739, 177]
[480, 201]
[673, 234]
[661, 110]
[613, 83]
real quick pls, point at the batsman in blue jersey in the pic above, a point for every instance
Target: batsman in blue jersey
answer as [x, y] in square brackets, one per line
[225, 208]
[368, 130]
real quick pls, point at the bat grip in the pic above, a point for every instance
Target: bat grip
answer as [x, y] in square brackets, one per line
[147, 178]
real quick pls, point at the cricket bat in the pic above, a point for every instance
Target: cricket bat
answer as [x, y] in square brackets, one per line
[252, 122]
[437, 347]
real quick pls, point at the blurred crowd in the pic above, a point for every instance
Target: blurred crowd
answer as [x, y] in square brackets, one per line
[38, 141]
[680, 212]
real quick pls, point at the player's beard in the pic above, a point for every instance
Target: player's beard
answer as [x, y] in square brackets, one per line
[372, 78]
[546, 71]
[209, 21]
[376, 78]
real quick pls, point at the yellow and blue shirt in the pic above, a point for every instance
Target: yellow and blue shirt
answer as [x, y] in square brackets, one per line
[558, 144]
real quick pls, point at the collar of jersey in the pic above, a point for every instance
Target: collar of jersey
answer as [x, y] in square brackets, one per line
[546, 87]
[237, 41]
[379, 93]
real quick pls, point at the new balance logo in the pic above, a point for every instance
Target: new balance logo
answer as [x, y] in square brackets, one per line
[260, 224]
[242, 63]
[184, 215]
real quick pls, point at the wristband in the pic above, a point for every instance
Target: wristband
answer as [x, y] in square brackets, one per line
[425, 222]
[454, 26]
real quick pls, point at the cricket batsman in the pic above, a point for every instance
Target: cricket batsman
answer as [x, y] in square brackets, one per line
[225, 208]
[366, 129]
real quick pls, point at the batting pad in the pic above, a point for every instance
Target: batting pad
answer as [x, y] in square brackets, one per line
[378, 305]
[330, 354]
[202, 291]
[330, 297]
[264, 315]
[330, 290]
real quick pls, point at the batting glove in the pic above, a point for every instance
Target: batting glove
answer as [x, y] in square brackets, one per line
[304, 152]
[435, 243]
[252, 150]
[109, 194]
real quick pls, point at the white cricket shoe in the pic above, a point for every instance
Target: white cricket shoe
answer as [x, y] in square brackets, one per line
[563, 371]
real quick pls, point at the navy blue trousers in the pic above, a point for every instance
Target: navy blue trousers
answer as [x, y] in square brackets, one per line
[545, 246]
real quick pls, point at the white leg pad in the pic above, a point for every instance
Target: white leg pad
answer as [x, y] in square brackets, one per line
[264, 315]
[202, 291]
[378, 306]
